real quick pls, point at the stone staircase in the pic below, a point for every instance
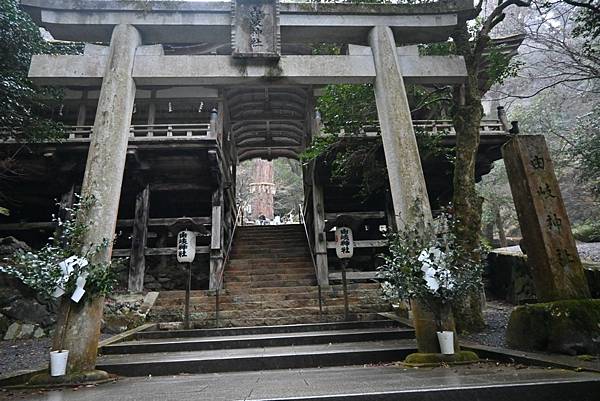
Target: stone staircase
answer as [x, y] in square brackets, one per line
[270, 280]
[159, 352]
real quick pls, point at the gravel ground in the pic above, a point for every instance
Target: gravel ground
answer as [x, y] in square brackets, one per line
[26, 354]
[496, 315]
[23, 355]
[587, 250]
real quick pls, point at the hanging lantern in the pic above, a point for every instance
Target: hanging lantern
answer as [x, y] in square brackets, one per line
[344, 243]
[186, 246]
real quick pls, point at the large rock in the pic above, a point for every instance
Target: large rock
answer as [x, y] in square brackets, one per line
[30, 311]
[570, 327]
[8, 246]
[27, 331]
[13, 331]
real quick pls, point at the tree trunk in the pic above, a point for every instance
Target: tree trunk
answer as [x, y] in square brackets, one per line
[500, 226]
[466, 116]
[262, 190]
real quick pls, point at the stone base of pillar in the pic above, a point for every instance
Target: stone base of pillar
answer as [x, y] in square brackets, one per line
[426, 328]
[91, 377]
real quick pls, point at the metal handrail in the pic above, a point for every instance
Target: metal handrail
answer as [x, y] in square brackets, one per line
[238, 216]
[312, 258]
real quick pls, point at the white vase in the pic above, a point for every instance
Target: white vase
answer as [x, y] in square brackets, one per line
[58, 362]
[446, 339]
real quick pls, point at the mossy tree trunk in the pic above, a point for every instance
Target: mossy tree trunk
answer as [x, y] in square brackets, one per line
[467, 113]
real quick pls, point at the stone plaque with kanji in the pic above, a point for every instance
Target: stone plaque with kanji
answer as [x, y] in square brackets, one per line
[551, 251]
[255, 29]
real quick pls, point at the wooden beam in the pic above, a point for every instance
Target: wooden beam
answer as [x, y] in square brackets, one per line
[137, 265]
[171, 186]
[319, 227]
[358, 215]
[369, 275]
[121, 253]
[368, 243]
[216, 239]
[48, 225]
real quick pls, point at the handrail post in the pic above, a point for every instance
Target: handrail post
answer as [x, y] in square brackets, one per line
[219, 283]
[217, 308]
[312, 258]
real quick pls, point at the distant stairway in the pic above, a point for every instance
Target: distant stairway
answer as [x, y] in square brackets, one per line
[270, 280]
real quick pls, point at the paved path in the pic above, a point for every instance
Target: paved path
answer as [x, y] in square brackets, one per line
[346, 381]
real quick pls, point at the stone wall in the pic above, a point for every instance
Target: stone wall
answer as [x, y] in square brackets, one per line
[508, 276]
[163, 273]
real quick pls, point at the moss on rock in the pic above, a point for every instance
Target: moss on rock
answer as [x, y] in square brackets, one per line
[571, 327]
[424, 359]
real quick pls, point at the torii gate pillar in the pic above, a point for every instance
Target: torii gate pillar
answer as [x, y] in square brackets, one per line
[102, 181]
[407, 183]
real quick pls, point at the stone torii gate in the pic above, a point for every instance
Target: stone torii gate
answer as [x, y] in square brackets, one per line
[246, 46]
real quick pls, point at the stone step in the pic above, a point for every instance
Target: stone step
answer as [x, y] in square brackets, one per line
[272, 257]
[273, 267]
[258, 260]
[268, 253]
[279, 228]
[275, 304]
[353, 296]
[249, 359]
[248, 278]
[301, 311]
[204, 320]
[260, 271]
[333, 290]
[272, 283]
[251, 330]
[271, 240]
[257, 340]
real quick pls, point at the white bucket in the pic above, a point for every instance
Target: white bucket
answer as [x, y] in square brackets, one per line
[58, 362]
[446, 339]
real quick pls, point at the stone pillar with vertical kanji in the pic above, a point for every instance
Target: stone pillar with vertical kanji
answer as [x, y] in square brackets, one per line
[551, 251]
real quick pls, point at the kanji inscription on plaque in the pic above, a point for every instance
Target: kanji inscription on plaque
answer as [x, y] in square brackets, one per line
[255, 29]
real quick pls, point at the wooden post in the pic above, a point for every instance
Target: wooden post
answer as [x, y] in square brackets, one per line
[151, 112]
[66, 203]
[319, 226]
[137, 265]
[551, 251]
[82, 112]
[216, 239]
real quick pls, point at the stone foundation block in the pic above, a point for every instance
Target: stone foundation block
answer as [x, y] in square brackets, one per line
[570, 327]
